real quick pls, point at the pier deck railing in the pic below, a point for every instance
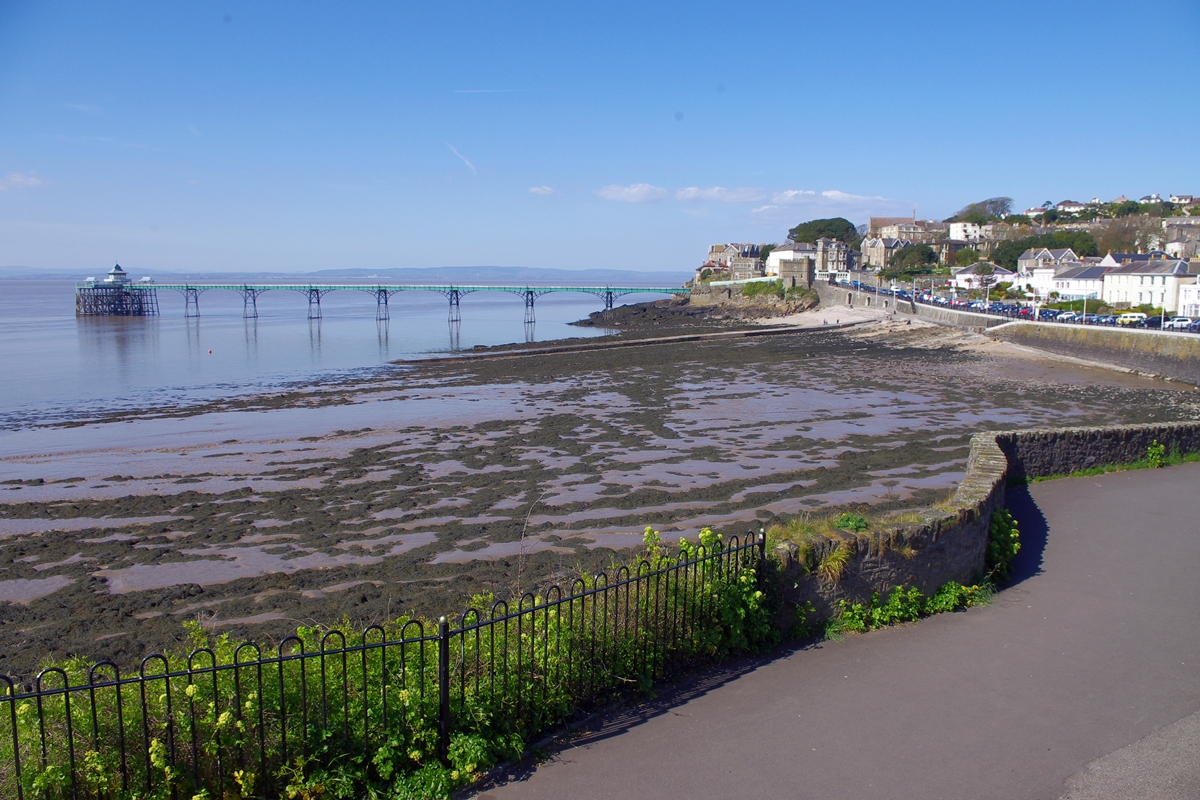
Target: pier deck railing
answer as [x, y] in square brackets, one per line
[100, 298]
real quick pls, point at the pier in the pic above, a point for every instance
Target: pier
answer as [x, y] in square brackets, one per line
[117, 295]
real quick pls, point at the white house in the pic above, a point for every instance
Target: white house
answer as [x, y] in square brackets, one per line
[1070, 207]
[965, 277]
[1077, 283]
[1189, 300]
[965, 231]
[1156, 283]
[790, 251]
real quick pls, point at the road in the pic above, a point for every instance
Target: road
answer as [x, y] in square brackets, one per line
[1081, 680]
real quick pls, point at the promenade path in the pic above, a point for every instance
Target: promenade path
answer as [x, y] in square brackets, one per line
[1081, 680]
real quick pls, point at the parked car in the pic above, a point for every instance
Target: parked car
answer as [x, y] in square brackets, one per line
[1131, 318]
[1108, 319]
[1067, 316]
[1194, 327]
[1177, 324]
[1153, 323]
[1091, 319]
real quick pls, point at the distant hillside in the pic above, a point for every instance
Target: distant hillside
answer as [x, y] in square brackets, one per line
[461, 275]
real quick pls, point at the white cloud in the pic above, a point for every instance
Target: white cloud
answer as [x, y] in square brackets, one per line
[636, 193]
[843, 197]
[470, 166]
[545, 191]
[20, 180]
[765, 209]
[721, 194]
[792, 196]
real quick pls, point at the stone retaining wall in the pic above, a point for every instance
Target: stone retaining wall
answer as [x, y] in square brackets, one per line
[846, 296]
[1164, 353]
[950, 543]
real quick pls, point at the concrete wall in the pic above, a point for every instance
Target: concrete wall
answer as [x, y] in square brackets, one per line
[950, 544]
[1171, 355]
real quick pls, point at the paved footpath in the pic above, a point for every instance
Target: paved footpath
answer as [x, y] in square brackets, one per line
[1080, 681]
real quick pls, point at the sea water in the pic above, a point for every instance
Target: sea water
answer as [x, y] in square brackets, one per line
[55, 366]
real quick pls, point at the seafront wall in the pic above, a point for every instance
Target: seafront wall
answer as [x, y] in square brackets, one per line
[949, 543]
[846, 296]
[1163, 353]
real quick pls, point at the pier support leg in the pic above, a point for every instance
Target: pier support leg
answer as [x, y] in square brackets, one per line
[191, 302]
[529, 337]
[529, 298]
[608, 304]
[455, 313]
[455, 337]
[249, 303]
[381, 305]
[314, 303]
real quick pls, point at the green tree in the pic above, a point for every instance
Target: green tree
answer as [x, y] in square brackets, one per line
[766, 251]
[1007, 253]
[984, 211]
[965, 258]
[984, 275]
[836, 228]
[1130, 235]
[913, 259]
[1127, 208]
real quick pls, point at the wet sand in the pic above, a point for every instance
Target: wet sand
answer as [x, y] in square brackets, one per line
[422, 485]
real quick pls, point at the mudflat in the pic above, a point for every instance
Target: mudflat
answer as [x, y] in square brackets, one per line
[412, 489]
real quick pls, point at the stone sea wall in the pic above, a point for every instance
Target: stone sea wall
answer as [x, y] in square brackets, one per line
[949, 543]
[846, 296]
[1163, 353]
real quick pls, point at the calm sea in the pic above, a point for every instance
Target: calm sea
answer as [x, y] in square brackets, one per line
[55, 366]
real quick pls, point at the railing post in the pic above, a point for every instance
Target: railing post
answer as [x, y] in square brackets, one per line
[444, 690]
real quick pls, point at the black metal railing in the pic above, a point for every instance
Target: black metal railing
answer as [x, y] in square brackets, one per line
[245, 721]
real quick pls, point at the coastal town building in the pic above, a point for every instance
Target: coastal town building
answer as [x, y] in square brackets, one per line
[1079, 282]
[789, 251]
[1040, 257]
[967, 277]
[1189, 300]
[1120, 259]
[966, 231]
[877, 251]
[1156, 282]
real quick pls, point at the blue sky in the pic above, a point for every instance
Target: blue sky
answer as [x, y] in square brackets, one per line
[315, 135]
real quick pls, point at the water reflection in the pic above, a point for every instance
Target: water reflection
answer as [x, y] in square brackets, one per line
[381, 333]
[455, 334]
[117, 345]
[314, 336]
[251, 329]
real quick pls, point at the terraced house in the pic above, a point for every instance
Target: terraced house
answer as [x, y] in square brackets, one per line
[1156, 282]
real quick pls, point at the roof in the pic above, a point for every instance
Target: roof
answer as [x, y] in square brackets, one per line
[1081, 272]
[996, 270]
[794, 246]
[1159, 266]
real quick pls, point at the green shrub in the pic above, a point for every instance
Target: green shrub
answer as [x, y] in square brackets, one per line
[1156, 455]
[763, 289]
[852, 522]
[362, 719]
[1004, 542]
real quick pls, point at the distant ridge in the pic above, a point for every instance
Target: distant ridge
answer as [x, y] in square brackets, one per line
[461, 275]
